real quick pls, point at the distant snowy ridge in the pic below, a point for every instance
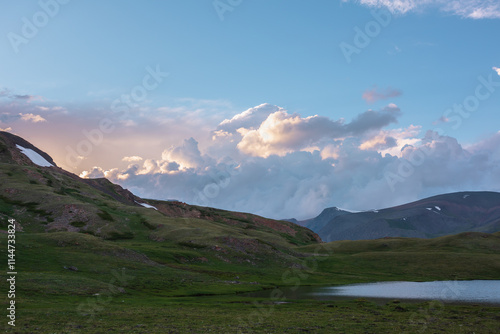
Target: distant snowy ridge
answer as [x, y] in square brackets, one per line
[36, 158]
[346, 210]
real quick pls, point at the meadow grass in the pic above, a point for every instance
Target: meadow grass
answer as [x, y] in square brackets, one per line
[235, 314]
[118, 289]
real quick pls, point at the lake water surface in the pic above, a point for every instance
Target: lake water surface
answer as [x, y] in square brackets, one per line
[477, 291]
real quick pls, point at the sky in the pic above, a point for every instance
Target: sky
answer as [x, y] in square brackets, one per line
[280, 108]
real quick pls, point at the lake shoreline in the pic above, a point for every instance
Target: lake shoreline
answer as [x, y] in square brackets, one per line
[461, 289]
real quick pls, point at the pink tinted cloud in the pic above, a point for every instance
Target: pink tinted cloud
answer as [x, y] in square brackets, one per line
[375, 94]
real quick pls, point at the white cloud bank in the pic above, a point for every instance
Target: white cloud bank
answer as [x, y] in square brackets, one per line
[276, 164]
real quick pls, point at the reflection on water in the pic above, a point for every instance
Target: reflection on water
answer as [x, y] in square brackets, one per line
[478, 291]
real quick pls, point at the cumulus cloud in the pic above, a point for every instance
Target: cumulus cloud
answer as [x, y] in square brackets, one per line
[94, 173]
[375, 94]
[32, 118]
[98, 172]
[249, 119]
[440, 164]
[55, 109]
[496, 69]
[487, 147]
[474, 9]
[392, 141]
[281, 133]
[8, 117]
[280, 165]
[373, 120]
[186, 156]
[277, 164]
[301, 184]
[134, 158]
[380, 142]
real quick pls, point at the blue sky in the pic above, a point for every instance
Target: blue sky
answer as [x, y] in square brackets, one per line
[273, 59]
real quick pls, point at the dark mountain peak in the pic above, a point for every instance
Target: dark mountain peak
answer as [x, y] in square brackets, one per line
[11, 152]
[333, 210]
[323, 218]
[470, 211]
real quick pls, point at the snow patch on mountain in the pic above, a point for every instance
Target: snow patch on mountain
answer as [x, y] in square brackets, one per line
[36, 158]
[147, 206]
[350, 211]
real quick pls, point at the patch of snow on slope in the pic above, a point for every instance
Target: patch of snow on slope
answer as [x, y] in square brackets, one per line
[147, 206]
[465, 196]
[350, 211]
[438, 208]
[36, 158]
[429, 209]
